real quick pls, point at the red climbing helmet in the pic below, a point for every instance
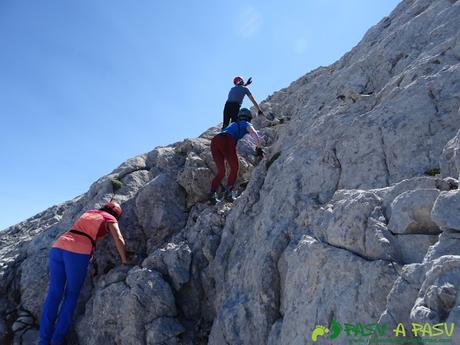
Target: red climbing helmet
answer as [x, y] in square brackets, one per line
[238, 80]
[113, 208]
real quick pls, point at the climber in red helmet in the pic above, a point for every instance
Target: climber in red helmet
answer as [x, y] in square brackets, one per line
[68, 262]
[235, 99]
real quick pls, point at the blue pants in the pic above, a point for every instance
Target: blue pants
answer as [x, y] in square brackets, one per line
[67, 275]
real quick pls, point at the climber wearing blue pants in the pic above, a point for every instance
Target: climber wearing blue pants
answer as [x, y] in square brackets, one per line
[68, 263]
[65, 268]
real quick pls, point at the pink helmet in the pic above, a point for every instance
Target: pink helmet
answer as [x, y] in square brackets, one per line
[114, 208]
[238, 80]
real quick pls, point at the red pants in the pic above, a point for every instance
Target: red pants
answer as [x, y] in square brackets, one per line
[223, 149]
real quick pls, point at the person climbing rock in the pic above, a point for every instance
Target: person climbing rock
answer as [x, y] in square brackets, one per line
[235, 99]
[223, 148]
[68, 262]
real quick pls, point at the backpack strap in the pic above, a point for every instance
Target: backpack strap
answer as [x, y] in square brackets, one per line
[81, 233]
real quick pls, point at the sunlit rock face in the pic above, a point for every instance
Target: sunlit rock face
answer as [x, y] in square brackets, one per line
[353, 214]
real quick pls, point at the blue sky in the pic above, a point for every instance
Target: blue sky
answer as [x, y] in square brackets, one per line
[87, 84]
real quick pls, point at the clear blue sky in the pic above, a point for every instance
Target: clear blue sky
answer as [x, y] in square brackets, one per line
[87, 84]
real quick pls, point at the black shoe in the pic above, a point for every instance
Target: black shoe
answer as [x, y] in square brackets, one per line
[230, 196]
[213, 199]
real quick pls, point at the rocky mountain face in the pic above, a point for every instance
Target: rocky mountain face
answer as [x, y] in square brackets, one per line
[353, 215]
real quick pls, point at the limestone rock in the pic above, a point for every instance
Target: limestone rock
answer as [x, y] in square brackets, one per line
[195, 179]
[447, 244]
[132, 183]
[164, 331]
[412, 248]
[173, 260]
[438, 293]
[34, 282]
[411, 212]
[353, 220]
[129, 166]
[119, 311]
[203, 234]
[160, 208]
[315, 293]
[348, 150]
[403, 295]
[164, 160]
[389, 194]
[450, 158]
[446, 210]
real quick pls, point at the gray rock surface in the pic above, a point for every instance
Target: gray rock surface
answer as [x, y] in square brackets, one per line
[340, 278]
[120, 308]
[446, 211]
[438, 293]
[412, 248]
[446, 245]
[160, 208]
[172, 260]
[339, 221]
[163, 331]
[450, 158]
[411, 212]
[354, 220]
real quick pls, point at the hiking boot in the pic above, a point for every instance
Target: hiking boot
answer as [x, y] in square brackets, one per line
[230, 196]
[214, 198]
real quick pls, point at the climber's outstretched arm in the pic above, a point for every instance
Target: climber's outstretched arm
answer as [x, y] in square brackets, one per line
[259, 112]
[119, 241]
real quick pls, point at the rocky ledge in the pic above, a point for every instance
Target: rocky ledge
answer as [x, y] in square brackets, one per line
[353, 215]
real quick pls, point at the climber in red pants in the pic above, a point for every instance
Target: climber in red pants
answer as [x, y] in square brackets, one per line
[223, 148]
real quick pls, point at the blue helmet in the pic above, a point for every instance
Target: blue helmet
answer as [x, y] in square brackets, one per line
[245, 114]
